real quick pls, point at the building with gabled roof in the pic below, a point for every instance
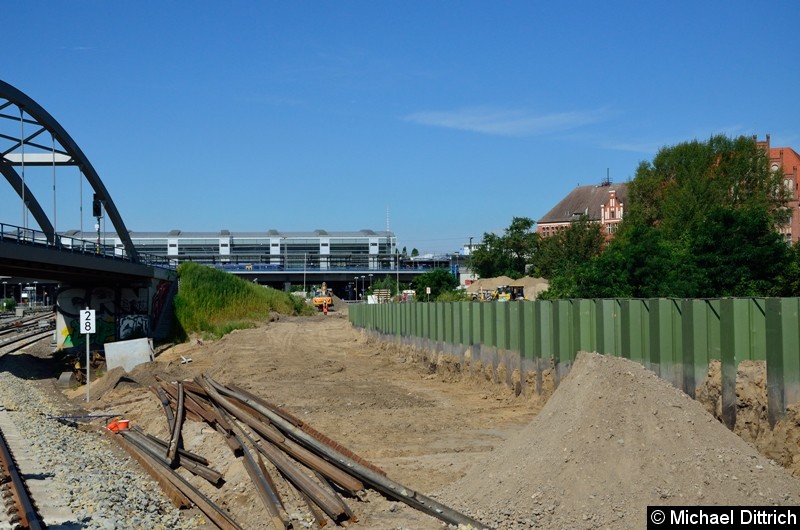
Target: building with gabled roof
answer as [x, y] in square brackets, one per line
[603, 203]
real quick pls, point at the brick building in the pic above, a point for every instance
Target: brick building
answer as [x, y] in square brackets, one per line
[603, 203]
[788, 159]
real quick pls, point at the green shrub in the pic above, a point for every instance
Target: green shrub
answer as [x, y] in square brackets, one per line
[8, 304]
[214, 303]
[454, 296]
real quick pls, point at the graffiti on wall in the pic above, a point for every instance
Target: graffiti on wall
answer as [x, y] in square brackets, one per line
[116, 310]
[133, 327]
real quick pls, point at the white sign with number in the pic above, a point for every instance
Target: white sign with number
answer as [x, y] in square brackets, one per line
[87, 321]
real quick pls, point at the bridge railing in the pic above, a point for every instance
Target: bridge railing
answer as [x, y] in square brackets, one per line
[29, 236]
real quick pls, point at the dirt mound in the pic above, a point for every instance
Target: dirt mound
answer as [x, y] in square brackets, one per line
[98, 386]
[489, 283]
[533, 286]
[339, 305]
[611, 440]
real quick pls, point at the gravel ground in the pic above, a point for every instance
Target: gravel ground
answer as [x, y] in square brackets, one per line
[94, 476]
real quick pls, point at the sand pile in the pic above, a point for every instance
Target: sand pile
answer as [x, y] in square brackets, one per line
[533, 286]
[611, 440]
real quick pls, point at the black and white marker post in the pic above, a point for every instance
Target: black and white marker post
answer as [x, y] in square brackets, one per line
[87, 328]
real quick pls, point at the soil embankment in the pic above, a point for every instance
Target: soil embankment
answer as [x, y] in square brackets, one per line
[613, 439]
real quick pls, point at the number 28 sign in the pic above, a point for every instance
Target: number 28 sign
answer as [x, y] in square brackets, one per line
[87, 321]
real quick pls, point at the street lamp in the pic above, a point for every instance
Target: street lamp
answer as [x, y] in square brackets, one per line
[35, 292]
[355, 286]
[370, 281]
[4, 290]
[362, 286]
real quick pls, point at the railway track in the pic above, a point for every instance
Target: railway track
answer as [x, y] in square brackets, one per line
[22, 477]
[20, 508]
[20, 333]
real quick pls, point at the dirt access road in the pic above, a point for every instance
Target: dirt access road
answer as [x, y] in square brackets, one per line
[422, 429]
[613, 438]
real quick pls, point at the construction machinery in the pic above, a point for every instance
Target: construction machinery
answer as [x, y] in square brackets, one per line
[506, 293]
[484, 295]
[323, 297]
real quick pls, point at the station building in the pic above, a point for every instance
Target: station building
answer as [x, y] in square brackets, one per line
[272, 249]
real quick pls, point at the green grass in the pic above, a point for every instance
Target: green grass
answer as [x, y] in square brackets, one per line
[213, 303]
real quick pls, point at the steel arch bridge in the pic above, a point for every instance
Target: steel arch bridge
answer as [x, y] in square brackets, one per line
[27, 148]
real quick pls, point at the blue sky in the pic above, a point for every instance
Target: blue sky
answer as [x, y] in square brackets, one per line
[453, 116]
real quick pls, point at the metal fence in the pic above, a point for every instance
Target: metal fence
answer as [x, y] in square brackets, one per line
[675, 338]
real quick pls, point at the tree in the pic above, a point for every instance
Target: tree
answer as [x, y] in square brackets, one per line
[439, 280]
[739, 253]
[700, 222]
[679, 188]
[490, 258]
[387, 282]
[414, 252]
[507, 254]
[564, 251]
[563, 257]
[790, 278]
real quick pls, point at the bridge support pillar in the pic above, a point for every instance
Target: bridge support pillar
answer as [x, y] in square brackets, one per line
[124, 312]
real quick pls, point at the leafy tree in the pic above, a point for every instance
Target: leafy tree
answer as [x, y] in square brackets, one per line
[490, 258]
[700, 222]
[414, 252]
[520, 240]
[387, 282]
[507, 254]
[439, 280]
[565, 250]
[790, 278]
[641, 263]
[683, 183]
[739, 253]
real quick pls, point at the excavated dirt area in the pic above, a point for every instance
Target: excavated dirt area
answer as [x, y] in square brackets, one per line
[611, 440]
[423, 431]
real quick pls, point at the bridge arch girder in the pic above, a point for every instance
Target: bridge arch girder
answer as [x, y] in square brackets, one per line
[34, 207]
[14, 96]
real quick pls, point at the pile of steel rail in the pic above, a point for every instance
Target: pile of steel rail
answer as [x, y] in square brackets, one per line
[322, 471]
